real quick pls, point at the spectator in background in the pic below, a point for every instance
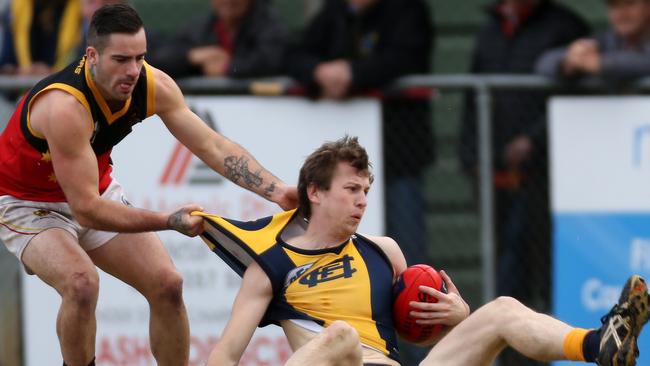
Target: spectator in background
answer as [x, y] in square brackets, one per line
[43, 36]
[621, 53]
[239, 38]
[88, 8]
[515, 34]
[351, 46]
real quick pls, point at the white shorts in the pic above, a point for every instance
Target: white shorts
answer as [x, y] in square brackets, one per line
[21, 220]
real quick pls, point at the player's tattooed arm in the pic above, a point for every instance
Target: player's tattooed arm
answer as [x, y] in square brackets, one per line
[183, 222]
[175, 222]
[236, 169]
[268, 191]
[260, 181]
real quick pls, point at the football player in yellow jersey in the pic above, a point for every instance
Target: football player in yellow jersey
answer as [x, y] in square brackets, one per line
[326, 273]
[332, 188]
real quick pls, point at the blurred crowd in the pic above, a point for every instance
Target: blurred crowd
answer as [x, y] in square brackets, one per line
[358, 47]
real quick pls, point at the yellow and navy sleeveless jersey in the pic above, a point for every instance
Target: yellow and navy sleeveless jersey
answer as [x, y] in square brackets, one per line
[26, 170]
[350, 282]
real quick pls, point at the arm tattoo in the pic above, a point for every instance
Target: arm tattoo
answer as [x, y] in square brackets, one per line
[237, 169]
[175, 222]
[269, 189]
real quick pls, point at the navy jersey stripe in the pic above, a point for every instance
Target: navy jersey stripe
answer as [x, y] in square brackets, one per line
[251, 225]
[381, 279]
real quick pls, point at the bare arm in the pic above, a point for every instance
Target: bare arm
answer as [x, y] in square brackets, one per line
[393, 252]
[67, 127]
[450, 309]
[250, 305]
[222, 155]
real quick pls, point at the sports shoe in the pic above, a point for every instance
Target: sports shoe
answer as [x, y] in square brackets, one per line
[622, 325]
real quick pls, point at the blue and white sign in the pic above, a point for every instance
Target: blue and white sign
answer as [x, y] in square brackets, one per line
[600, 184]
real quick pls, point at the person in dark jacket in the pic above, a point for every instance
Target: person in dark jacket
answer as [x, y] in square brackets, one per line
[515, 34]
[352, 46]
[239, 38]
[619, 54]
[41, 36]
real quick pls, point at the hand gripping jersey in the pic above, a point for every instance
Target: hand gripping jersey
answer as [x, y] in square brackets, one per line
[350, 282]
[25, 165]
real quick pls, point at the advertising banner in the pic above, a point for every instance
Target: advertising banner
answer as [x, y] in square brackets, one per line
[600, 181]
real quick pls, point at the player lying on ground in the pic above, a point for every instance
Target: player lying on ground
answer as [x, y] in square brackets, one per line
[308, 279]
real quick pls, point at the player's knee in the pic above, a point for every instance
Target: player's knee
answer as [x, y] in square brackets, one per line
[82, 288]
[343, 332]
[169, 287]
[507, 302]
[506, 305]
[344, 338]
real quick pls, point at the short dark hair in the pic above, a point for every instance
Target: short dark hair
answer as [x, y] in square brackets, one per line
[318, 168]
[112, 18]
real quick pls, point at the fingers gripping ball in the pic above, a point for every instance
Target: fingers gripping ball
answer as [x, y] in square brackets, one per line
[407, 289]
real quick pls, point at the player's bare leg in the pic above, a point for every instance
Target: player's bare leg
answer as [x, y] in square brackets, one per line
[478, 339]
[142, 261]
[56, 258]
[337, 345]
[505, 321]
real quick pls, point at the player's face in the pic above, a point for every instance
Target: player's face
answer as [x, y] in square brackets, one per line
[116, 68]
[345, 202]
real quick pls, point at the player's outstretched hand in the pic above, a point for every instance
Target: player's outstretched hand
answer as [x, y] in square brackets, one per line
[450, 309]
[185, 223]
[287, 197]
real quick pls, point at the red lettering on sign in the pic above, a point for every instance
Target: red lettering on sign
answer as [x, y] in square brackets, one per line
[135, 351]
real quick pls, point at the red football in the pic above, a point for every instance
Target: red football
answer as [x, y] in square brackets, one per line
[406, 290]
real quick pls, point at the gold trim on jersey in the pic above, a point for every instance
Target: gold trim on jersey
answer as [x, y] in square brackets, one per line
[60, 86]
[150, 89]
[257, 240]
[106, 110]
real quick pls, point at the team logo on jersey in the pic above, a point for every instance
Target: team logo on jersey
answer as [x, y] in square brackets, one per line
[340, 268]
[41, 213]
[295, 273]
[77, 69]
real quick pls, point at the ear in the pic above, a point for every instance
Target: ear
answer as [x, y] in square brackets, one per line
[313, 193]
[92, 55]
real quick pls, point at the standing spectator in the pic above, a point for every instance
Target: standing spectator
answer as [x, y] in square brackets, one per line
[88, 8]
[620, 53]
[351, 46]
[42, 35]
[515, 34]
[239, 38]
